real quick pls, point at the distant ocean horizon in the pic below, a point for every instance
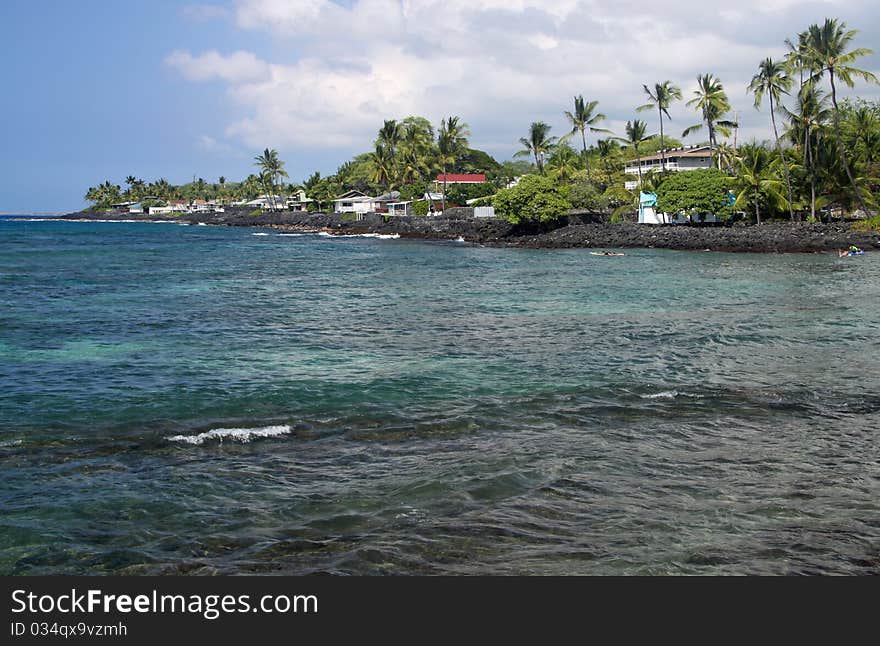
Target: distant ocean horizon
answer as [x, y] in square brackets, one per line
[221, 400]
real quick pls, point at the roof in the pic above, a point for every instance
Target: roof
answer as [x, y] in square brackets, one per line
[701, 152]
[352, 194]
[388, 197]
[434, 197]
[463, 178]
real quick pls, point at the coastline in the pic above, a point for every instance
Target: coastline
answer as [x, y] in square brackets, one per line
[577, 232]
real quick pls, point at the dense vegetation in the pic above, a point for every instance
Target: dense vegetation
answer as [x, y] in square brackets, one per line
[824, 158]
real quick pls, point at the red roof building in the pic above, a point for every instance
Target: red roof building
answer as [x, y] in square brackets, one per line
[462, 179]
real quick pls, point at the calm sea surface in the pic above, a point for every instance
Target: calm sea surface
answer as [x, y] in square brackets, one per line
[191, 399]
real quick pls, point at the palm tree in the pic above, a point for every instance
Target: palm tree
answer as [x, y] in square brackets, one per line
[382, 165]
[271, 168]
[608, 149]
[538, 143]
[563, 162]
[584, 117]
[662, 96]
[773, 80]
[827, 52]
[415, 145]
[710, 100]
[451, 141]
[636, 134]
[757, 175]
[807, 122]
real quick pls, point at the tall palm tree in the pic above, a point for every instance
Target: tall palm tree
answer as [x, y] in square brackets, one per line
[451, 142]
[415, 146]
[382, 165]
[773, 80]
[710, 100]
[272, 168]
[827, 47]
[608, 149]
[807, 123]
[585, 117]
[538, 143]
[564, 162]
[636, 134]
[661, 97]
[757, 175]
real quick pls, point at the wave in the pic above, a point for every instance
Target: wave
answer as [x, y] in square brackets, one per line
[670, 394]
[380, 236]
[259, 234]
[241, 435]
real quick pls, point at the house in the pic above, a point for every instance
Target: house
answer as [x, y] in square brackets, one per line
[267, 203]
[353, 202]
[435, 202]
[177, 206]
[381, 203]
[400, 208]
[466, 178]
[677, 159]
[299, 202]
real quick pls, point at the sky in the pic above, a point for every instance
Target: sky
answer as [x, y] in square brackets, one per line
[102, 89]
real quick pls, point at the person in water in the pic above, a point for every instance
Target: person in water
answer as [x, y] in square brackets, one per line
[843, 253]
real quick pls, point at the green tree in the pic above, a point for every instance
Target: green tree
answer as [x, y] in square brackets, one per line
[534, 199]
[563, 163]
[773, 81]
[807, 124]
[583, 118]
[757, 180]
[271, 169]
[451, 142]
[661, 97]
[710, 100]
[636, 135]
[537, 144]
[695, 192]
[828, 53]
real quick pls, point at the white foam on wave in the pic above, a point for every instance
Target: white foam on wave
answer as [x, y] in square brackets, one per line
[240, 435]
[666, 394]
[460, 239]
[259, 234]
[203, 224]
[670, 394]
[379, 236]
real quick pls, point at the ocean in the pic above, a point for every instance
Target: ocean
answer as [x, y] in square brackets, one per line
[210, 400]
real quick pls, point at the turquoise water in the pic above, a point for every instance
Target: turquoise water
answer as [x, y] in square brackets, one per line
[207, 400]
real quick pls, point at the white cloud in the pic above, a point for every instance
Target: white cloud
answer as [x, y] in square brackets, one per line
[500, 64]
[237, 67]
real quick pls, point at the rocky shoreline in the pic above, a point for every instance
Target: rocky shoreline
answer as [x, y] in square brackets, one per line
[577, 232]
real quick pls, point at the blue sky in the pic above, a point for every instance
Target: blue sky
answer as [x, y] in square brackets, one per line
[100, 89]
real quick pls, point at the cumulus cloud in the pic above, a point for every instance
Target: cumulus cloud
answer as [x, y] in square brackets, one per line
[238, 67]
[500, 64]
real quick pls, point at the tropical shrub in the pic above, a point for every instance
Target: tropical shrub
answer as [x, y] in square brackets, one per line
[421, 207]
[586, 195]
[534, 199]
[695, 192]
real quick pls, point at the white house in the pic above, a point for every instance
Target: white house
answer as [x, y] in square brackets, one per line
[400, 208]
[353, 202]
[678, 159]
[264, 202]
